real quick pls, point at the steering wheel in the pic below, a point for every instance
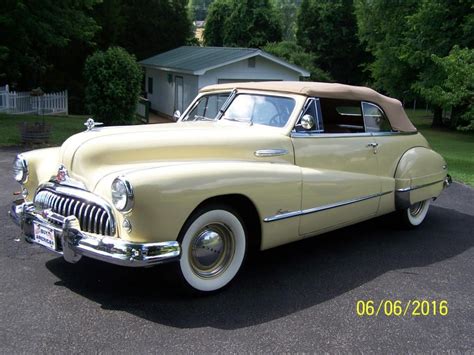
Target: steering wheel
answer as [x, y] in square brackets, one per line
[276, 120]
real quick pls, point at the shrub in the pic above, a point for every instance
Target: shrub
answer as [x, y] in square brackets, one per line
[113, 81]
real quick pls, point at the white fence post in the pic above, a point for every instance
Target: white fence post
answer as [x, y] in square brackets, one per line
[67, 102]
[7, 97]
[4, 98]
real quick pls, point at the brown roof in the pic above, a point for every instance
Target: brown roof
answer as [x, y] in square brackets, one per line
[392, 107]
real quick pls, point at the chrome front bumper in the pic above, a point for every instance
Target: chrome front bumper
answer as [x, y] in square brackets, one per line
[74, 243]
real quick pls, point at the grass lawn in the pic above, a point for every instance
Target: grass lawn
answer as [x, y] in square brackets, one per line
[61, 127]
[456, 147]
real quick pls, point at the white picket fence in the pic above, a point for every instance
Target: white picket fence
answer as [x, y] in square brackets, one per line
[22, 102]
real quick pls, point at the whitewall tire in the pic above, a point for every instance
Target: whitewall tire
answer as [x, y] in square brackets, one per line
[213, 247]
[415, 214]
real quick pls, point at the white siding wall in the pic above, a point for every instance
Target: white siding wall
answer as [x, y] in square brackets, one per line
[264, 70]
[162, 99]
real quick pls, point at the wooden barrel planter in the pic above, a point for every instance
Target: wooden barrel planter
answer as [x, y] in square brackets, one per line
[35, 133]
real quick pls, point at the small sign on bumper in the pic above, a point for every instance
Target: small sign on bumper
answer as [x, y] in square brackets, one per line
[44, 236]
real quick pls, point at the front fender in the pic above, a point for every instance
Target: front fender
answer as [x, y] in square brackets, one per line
[166, 196]
[42, 164]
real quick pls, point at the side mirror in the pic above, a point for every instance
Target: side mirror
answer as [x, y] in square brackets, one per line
[307, 122]
[176, 115]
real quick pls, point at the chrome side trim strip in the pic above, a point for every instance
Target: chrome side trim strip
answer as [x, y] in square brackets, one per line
[381, 134]
[328, 135]
[291, 214]
[346, 135]
[405, 189]
[270, 152]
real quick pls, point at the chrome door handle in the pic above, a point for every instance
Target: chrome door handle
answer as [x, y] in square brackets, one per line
[373, 146]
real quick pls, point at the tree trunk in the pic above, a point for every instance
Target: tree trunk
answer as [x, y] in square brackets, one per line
[437, 117]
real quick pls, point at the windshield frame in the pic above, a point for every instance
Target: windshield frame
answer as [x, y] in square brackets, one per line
[298, 98]
[184, 117]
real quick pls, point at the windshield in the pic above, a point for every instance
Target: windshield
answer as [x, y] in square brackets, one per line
[207, 107]
[260, 109]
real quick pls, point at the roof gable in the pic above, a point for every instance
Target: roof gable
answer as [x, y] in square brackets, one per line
[199, 60]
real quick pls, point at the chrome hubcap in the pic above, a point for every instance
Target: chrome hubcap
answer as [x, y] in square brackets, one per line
[416, 209]
[211, 250]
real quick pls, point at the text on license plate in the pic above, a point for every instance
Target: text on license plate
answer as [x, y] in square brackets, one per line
[44, 236]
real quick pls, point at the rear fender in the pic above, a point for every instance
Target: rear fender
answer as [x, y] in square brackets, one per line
[419, 176]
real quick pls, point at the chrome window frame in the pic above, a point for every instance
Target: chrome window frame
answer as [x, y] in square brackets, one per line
[381, 110]
[318, 117]
[312, 134]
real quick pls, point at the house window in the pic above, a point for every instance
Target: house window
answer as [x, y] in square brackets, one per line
[150, 85]
[251, 62]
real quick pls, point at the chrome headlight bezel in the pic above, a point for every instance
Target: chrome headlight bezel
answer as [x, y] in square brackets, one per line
[122, 194]
[20, 169]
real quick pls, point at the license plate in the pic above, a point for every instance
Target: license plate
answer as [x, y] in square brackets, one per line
[44, 236]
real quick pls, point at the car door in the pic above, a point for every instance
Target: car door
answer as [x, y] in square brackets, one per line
[339, 166]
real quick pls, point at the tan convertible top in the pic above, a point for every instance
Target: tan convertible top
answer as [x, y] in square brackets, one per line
[392, 107]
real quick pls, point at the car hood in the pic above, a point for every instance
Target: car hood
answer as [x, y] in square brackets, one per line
[90, 155]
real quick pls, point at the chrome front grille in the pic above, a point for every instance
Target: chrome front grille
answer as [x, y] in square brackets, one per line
[93, 216]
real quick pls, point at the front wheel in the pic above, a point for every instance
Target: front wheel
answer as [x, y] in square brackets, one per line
[414, 215]
[213, 246]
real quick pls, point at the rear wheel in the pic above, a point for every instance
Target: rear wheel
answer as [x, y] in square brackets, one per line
[213, 247]
[414, 215]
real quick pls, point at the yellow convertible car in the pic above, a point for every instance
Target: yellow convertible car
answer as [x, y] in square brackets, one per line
[247, 166]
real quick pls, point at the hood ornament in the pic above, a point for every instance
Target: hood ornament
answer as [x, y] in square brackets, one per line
[62, 177]
[62, 174]
[90, 124]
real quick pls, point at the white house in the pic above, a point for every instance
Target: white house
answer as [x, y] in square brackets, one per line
[174, 78]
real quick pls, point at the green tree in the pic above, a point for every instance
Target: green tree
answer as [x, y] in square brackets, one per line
[111, 16]
[246, 23]
[328, 28]
[113, 81]
[405, 38]
[31, 30]
[198, 9]
[154, 26]
[434, 29]
[295, 54]
[216, 18]
[382, 26]
[287, 11]
[455, 90]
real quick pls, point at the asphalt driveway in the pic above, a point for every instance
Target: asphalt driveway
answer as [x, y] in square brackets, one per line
[297, 298]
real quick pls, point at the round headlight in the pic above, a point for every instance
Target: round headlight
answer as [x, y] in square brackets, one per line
[20, 169]
[122, 194]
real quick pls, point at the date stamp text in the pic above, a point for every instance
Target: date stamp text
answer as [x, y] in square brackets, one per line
[399, 308]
